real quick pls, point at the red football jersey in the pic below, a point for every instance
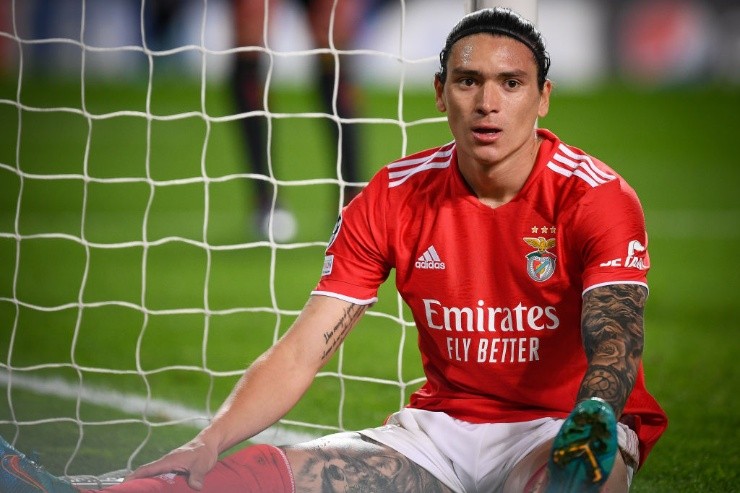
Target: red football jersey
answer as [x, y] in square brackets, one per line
[496, 294]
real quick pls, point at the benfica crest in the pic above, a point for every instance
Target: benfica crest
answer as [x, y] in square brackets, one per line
[541, 263]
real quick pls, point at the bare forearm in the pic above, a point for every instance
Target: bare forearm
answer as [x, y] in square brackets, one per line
[269, 388]
[274, 383]
[612, 330]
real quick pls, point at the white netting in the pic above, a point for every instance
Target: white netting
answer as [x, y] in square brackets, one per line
[98, 281]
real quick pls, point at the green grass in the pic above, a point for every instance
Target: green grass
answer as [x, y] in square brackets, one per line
[171, 295]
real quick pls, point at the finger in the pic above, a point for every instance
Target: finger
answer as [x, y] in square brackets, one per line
[198, 472]
[149, 470]
[195, 482]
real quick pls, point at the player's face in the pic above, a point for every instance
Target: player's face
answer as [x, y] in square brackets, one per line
[491, 98]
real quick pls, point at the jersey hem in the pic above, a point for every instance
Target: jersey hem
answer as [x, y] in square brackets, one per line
[612, 283]
[349, 299]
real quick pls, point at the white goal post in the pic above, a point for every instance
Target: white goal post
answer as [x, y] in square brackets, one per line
[526, 8]
[72, 204]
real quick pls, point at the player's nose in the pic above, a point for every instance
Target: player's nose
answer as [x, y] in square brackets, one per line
[488, 100]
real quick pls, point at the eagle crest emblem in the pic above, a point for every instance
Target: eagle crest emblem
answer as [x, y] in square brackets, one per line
[541, 262]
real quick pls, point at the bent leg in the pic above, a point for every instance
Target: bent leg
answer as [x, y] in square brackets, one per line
[341, 462]
[529, 475]
[353, 462]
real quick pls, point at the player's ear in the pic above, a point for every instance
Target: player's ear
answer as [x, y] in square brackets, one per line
[439, 94]
[544, 107]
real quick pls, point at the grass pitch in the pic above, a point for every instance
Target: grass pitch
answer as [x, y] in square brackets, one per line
[129, 263]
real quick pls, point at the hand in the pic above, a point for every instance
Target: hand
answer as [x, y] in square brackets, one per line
[194, 459]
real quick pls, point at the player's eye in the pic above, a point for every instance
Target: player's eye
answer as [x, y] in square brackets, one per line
[512, 84]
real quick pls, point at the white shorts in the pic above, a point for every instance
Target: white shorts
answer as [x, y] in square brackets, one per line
[470, 457]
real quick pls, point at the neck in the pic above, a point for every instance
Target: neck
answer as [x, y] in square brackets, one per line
[497, 183]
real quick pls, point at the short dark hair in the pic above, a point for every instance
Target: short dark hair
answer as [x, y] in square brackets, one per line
[503, 22]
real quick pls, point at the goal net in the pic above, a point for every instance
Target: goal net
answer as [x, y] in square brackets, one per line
[135, 282]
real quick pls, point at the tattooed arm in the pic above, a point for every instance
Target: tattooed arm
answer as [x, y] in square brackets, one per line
[612, 331]
[269, 388]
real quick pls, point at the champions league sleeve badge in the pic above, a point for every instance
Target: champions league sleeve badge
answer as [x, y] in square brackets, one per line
[540, 263]
[335, 231]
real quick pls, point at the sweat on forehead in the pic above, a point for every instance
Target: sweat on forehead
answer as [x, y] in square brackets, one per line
[503, 22]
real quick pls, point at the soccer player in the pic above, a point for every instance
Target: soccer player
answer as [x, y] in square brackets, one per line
[524, 262]
[329, 24]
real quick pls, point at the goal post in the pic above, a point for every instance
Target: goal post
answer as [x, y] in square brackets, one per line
[526, 8]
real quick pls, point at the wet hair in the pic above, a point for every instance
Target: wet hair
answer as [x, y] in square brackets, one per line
[500, 22]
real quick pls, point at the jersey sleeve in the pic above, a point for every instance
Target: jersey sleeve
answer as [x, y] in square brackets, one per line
[356, 261]
[610, 228]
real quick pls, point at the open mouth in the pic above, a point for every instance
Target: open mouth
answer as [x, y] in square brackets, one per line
[486, 132]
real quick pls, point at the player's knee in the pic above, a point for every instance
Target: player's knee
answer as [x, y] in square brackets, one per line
[620, 478]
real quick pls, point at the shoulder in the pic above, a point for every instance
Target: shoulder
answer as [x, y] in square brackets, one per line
[418, 165]
[581, 168]
[402, 182]
[582, 178]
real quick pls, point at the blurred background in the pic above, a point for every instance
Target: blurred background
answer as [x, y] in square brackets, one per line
[648, 42]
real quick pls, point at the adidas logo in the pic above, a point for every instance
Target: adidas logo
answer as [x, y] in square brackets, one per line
[430, 260]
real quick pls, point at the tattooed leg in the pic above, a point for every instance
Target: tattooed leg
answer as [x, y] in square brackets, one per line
[350, 462]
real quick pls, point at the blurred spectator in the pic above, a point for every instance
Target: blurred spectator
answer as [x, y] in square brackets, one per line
[6, 57]
[330, 25]
[663, 41]
[159, 17]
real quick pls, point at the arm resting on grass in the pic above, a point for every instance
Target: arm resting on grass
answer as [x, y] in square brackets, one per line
[269, 388]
